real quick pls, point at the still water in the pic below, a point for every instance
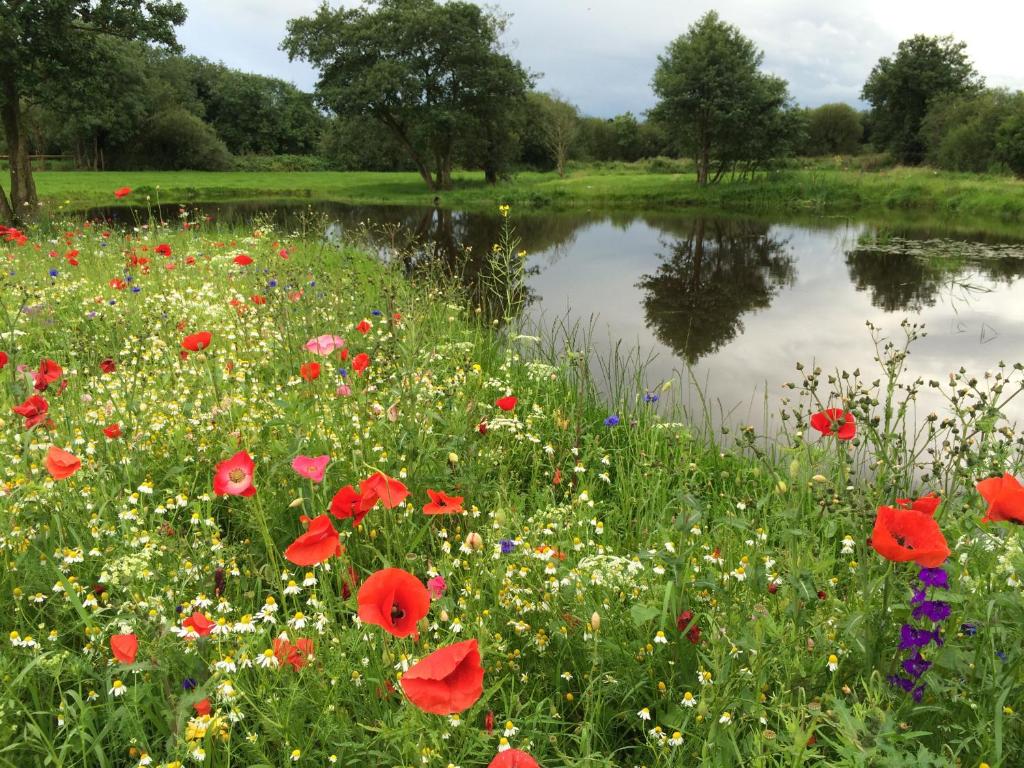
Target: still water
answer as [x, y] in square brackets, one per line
[731, 303]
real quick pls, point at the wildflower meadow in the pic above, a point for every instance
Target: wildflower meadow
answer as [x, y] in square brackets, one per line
[268, 500]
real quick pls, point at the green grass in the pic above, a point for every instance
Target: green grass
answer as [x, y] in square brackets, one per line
[820, 190]
[611, 531]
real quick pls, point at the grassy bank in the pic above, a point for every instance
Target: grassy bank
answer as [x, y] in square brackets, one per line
[827, 190]
[638, 594]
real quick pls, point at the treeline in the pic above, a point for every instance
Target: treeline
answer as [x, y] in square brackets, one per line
[427, 86]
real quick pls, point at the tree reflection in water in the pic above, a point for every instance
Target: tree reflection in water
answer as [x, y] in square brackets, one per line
[720, 270]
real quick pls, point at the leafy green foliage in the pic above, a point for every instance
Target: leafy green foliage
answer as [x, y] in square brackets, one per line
[717, 104]
[434, 75]
[833, 129]
[903, 87]
[175, 139]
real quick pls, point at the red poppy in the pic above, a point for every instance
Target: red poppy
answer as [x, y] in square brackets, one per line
[318, 543]
[108, 365]
[482, 427]
[364, 327]
[48, 372]
[347, 504]
[124, 647]
[113, 431]
[513, 758]
[202, 707]
[197, 341]
[360, 362]
[122, 192]
[61, 464]
[380, 487]
[1005, 497]
[394, 600]
[310, 371]
[442, 504]
[234, 476]
[835, 421]
[117, 284]
[199, 624]
[297, 655]
[448, 681]
[243, 260]
[903, 535]
[34, 410]
[257, 299]
[164, 250]
[4, 359]
[506, 403]
[927, 504]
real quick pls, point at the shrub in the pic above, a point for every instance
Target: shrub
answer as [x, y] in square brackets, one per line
[175, 139]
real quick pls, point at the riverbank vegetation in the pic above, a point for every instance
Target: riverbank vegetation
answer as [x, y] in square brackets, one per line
[277, 503]
[833, 187]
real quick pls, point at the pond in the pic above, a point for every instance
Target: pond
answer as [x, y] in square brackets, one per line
[731, 303]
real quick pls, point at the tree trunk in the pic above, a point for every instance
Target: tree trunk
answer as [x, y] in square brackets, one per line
[396, 128]
[6, 214]
[23, 187]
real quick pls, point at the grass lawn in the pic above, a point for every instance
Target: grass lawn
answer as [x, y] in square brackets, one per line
[950, 196]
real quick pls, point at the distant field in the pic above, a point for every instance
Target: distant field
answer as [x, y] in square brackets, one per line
[913, 190]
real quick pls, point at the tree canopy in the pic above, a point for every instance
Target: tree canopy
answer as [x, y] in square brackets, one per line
[47, 41]
[435, 75]
[901, 89]
[716, 102]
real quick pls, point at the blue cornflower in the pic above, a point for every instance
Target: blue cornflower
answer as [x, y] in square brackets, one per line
[507, 545]
[612, 421]
[272, 284]
[189, 683]
[651, 397]
[376, 312]
[969, 629]
[54, 273]
[342, 372]
[136, 289]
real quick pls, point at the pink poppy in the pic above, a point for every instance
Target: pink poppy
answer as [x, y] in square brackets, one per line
[311, 467]
[234, 476]
[325, 344]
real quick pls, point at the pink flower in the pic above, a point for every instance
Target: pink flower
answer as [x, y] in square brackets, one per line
[324, 345]
[310, 467]
[234, 476]
[436, 585]
[344, 390]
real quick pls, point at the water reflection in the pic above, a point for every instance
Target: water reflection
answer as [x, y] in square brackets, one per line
[734, 301]
[709, 279]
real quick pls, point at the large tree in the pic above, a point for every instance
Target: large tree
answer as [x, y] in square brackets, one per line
[901, 88]
[716, 101]
[434, 74]
[45, 40]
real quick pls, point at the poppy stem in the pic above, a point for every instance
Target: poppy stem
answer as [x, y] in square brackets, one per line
[880, 629]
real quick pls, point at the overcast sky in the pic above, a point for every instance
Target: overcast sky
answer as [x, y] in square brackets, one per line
[601, 54]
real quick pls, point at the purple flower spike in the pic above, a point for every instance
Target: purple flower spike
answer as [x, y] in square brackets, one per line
[910, 637]
[918, 693]
[933, 610]
[934, 577]
[920, 595]
[901, 682]
[915, 666]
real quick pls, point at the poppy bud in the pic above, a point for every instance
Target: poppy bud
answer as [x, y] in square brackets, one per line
[773, 587]
[474, 540]
[296, 503]
[489, 722]
[453, 459]
[595, 621]
[810, 644]
[444, 616]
